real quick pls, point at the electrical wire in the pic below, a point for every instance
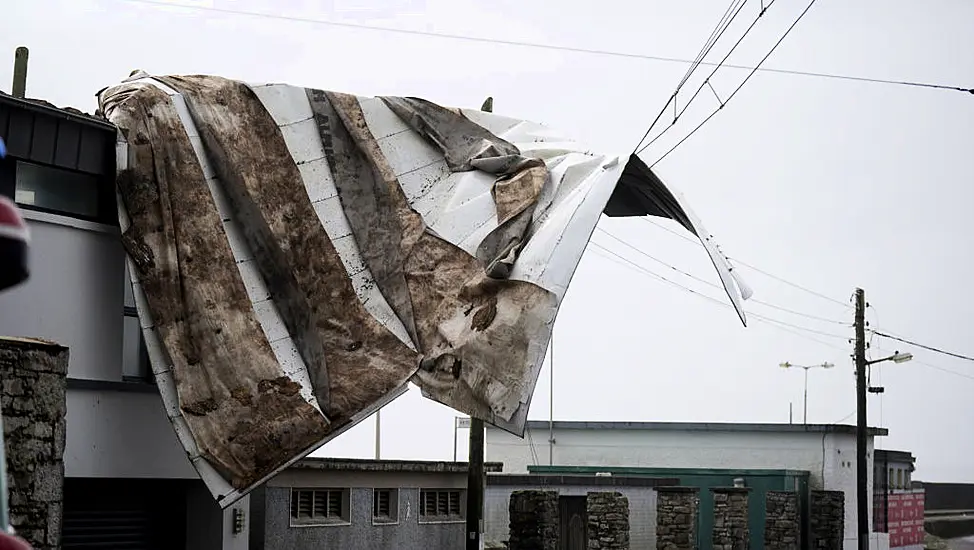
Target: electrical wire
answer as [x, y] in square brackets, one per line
[706, 82]
[538, 45]
[924, 346]
[768, 320]
[745, 264]
[774, 323]
[714, 285]
[712, 40]
[738, 89]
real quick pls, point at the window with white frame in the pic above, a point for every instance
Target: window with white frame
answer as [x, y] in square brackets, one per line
[319, 506]
[385, 506]
[439, 505]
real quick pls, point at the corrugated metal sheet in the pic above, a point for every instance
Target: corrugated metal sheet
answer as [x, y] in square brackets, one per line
[299, 255]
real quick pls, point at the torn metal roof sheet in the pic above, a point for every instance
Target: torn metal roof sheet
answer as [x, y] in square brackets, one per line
[298, 256]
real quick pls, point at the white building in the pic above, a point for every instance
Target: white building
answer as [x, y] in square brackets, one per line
[827, 452]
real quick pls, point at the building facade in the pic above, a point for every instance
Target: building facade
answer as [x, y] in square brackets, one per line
[826, 452]
[898, 506]
[362, 505]
[127, 478]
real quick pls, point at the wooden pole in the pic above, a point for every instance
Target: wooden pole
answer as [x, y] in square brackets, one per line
[862, 498]
[20, 72]
[475, 468]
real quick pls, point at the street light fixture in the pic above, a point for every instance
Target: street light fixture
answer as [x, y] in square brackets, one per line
[897, 357]
[787, 365]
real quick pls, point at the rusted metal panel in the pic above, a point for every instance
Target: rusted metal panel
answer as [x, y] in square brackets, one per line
[339, 246]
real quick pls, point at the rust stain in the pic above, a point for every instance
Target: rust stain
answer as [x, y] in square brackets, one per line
[353, 360]
[200, 308]
[485, 315]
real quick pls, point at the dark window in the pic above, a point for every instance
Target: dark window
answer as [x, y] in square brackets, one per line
[56, 190]
[440, 505]
[385, 506]
[319, 506]
[135, 356]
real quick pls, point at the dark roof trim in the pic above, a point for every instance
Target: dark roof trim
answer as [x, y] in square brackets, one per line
[541, 480]
[41, 106]
[410, 466]
[900, 456]
[700, 427]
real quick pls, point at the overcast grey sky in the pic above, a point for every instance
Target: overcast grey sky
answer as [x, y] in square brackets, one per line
[829, 184]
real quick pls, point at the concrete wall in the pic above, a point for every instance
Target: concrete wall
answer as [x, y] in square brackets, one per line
[34, 379]
[642, 510]
[830, 457]
[75, 297]
[360, 533]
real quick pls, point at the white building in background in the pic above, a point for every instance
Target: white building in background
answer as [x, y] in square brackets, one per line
[827, 452]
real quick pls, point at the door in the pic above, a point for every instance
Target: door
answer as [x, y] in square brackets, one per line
[574, 523]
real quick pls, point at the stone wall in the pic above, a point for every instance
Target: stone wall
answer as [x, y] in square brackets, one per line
[535, 522]
[782, 523]
[827, 520]
[730, 519]
[33, 374]
[676, 518]
[608, 521]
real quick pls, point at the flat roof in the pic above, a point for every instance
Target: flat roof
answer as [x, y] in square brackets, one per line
[663, 473]
[411, 466]
[699, 427]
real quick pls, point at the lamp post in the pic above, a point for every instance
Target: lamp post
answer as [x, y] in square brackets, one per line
[787, 365]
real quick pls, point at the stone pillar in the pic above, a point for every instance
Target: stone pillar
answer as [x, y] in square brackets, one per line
[827, 520]
[534, 520]
[676, 518]
[782, 523]
[34, 381]
[730, 519]
[608, 521]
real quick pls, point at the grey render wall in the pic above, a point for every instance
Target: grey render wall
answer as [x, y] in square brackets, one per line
[642, 511]
[75, 297]
[361, 534]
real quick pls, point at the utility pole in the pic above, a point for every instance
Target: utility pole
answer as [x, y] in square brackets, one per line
[378, 433]
[862, 498]
[20, 73]
[551, 405]
[475, 462]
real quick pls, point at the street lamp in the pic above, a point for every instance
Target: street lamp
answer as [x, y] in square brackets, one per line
[787, 365]
[897, 357]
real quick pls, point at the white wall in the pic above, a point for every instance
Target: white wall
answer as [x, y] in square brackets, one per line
[75, 297]
[122, 434]
[829, 457]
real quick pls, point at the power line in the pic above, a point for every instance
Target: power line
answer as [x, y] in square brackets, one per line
[777, 322]
[538, 45]
[745, 264]
[714, 285]
[773, 323]
[942, 369]
[748, 77]
[924, 346]
[712, 40]
[706, 82]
